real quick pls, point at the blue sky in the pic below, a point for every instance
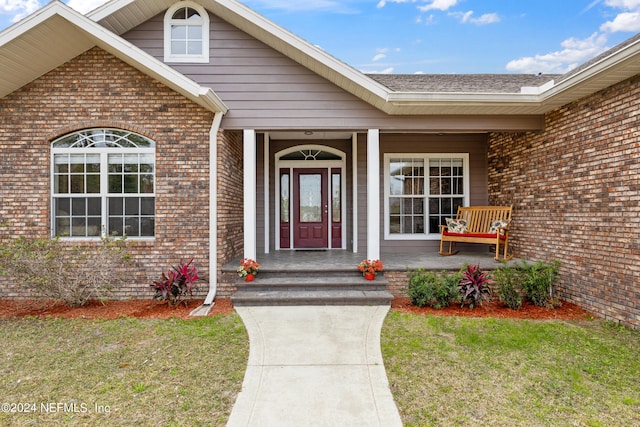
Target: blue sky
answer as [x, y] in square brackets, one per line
[439, 36]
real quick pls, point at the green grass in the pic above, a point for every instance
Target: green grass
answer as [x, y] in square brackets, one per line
[122, 372]
[443, 371]
[447, 371]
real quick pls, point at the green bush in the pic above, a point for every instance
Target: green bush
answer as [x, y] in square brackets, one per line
[538, 280]
[508, 284]
[73, 274]
[433, 289]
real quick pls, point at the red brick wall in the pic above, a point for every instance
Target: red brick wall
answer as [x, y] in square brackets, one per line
[576, 194]
[97, 90]
[230, 206]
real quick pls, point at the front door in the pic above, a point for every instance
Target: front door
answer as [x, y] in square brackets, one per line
[310, 208]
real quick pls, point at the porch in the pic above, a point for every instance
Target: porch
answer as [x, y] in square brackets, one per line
[342, 260]
[330, 277]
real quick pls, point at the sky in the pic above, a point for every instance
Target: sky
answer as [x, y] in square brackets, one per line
[438, 36]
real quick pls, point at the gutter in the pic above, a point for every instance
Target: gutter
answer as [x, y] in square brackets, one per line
[205, 308]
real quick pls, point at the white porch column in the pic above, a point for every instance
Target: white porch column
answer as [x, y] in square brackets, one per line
[354, 202]
[373, 194]
[267, 216]
[249, 165]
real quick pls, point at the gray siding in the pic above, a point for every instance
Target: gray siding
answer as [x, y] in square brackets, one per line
[474, 144]
[265, 90]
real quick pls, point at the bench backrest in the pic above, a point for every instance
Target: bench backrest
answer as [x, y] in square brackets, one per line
[479, 218]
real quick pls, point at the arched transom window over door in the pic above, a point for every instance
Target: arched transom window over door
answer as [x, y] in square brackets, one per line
[103, 184]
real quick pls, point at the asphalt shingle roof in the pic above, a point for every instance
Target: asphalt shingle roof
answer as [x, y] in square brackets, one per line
[462, 83]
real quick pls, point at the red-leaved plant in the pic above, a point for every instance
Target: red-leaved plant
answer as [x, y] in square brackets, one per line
[177, 283]
[474, 286]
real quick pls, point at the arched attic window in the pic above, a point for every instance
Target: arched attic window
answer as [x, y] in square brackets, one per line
[186, 33]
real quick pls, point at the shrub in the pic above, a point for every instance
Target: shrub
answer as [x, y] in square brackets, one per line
[432, 289]
[474, 286]
[177, 283]
[73, 274]
[538, 280]
[507, 280]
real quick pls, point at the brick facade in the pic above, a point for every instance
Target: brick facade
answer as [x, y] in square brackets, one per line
[96, 89]
[230, 207]
[575, 188]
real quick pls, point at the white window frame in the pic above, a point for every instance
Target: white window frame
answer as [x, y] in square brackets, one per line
[169, 56]
[387, 191]
[104, 194]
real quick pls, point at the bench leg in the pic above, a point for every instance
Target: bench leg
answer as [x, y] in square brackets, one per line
[505, 257]
[451, 251]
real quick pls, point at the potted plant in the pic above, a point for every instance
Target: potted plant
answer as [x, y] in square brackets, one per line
[370, 268]
[248, 269]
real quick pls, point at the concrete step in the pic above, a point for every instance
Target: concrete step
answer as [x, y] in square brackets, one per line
[312, 288]
[311, 297]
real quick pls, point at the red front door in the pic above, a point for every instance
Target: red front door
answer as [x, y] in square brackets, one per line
[310, 208]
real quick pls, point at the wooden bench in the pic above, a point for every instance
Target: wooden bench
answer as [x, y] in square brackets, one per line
[479, 221]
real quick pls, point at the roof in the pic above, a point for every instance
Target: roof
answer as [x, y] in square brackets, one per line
[56, 33]
[462, 83]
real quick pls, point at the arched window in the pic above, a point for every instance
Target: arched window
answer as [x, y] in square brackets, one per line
[186, 33]
[103, 183]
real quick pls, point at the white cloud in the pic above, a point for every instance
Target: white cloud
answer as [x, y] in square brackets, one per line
[84, 6]
[438, 5]
[18, 8]
[382, 53]
[385, 71]
[468, 18]
[623, 4]
[628, 21]
[575, 52]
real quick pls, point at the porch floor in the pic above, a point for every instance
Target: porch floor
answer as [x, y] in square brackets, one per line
[340, 260]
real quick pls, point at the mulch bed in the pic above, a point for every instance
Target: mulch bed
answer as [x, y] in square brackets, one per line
[497, 309]
[161, 310]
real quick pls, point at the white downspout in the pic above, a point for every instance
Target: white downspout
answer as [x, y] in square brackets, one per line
[213, 208]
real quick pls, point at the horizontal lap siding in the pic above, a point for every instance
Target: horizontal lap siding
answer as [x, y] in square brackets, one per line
[263, 88]
[473, 144]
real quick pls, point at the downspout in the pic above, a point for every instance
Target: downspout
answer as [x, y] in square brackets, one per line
[213, 208]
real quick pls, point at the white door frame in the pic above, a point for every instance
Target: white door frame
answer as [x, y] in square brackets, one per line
[309, 164]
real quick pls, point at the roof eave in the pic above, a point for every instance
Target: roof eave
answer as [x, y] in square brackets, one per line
[97, 35]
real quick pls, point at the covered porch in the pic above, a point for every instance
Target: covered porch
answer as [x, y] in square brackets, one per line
[332, 260]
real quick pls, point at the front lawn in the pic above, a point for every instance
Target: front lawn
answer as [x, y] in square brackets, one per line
[134, 372]
[453, 371]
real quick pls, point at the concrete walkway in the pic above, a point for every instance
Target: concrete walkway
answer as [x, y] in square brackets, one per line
[314, 366]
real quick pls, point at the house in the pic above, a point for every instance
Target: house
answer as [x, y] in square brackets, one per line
[200, 128]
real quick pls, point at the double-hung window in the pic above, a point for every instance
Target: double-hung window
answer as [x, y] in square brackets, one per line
[421, 191]
[186, 33]
[103, 184]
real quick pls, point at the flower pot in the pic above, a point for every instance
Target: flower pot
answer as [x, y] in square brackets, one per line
[249, 277]
[369, 276]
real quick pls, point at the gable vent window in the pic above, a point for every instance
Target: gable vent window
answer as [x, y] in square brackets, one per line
[186, 33]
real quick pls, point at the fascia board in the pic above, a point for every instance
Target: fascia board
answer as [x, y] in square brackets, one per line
[598, 69]
[108, 9]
